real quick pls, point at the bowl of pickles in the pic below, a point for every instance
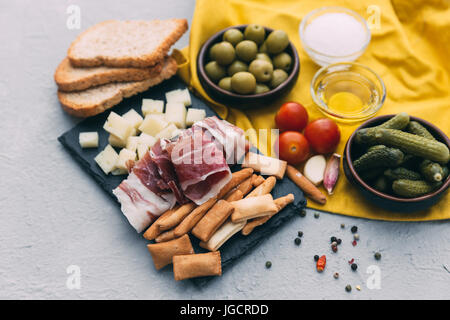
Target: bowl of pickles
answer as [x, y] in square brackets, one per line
[248, 66]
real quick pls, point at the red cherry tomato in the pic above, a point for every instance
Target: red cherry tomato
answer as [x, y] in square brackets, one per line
[292, 116]
[323, 135]
[293, 147]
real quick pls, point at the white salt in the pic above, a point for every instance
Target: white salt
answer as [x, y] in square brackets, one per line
[335, 34]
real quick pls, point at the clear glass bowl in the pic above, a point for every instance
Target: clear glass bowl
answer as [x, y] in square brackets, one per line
[324, 58]
[348, 91]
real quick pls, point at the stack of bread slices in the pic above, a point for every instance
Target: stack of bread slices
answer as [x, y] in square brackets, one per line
[114, 60]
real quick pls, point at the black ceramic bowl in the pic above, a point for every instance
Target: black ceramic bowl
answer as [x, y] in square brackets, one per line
[238, 100]
[386, 201]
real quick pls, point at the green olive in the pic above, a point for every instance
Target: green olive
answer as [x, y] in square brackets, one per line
[225, 53]
[261, 88]
[263, 48]
[246, 50]
[282, 61]
[212, 51]
[277, 41]
[255, 32]
[225, 83]
[233, 36]
[261, 69]
[236, 66]
[278, 77]
[243, 83]
[215, 71]
[263, 56]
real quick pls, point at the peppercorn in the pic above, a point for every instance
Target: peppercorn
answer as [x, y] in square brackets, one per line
[333, 239]
[348, 288]
[354, 229]
[354, 266]
[339, 241]
[336, 275]
[300, 234]
[377, 255]
[316, 257]
[342, 226]
[334, 244]
[316, 215]
[334, 248]
[268, 264]
[298, 241]
[356, 236]
[358, 288]
[303, 213]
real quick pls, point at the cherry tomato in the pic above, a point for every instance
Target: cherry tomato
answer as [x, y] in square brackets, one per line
[323, 135]
[292, 116]
[293, 147]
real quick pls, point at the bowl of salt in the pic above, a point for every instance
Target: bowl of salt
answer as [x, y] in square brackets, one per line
[334, 34]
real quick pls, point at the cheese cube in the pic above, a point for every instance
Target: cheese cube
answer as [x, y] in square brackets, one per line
[148, 140]
[176, 133]
[152, 124]
[152, 106]
[181, 95]
[142, 149]
[132, 143]
[118, 126]
[176, 114]
[88, 139]
[116, 142]
[194, 115]
[125, 155]
[167, 132]
[134, 118]
[119, 172]
[107, 159]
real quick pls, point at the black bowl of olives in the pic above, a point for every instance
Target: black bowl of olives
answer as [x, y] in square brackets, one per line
[248, 66]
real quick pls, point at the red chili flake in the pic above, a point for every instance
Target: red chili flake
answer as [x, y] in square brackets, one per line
[321, 263]
[354, 243]
[351, 261]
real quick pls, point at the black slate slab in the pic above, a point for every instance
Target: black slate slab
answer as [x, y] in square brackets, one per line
[234, 248]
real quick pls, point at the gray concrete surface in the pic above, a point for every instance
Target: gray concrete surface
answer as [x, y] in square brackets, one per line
[54, 216]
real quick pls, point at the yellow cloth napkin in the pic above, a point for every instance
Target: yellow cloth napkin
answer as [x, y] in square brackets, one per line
[409, 49]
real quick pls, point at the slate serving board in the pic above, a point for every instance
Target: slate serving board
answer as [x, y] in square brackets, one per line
[234, 248]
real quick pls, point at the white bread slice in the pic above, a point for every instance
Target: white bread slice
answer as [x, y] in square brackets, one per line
[95, 100]
[71, 79]
[134, 43]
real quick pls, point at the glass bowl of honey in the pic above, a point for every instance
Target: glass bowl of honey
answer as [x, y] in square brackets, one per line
[348, 91]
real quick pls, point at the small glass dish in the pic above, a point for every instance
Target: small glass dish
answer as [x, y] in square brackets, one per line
[348, 91]
[336, 35]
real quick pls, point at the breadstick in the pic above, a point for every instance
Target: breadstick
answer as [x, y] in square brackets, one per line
[191, 220]
[245, 186]
[166, 236]
[234, 195]
[212, 220]
[254, 207]
[257, 180]
[263, 188]
[280, 202]
[197, 265]
[162, 253]
[266, 165]
[225, 232]
[305, 185]
[175, 218]
[154, 230]
[236, 178]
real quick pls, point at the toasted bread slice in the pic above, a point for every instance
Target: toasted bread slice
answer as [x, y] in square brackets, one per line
[126, 43]
[71, 79]
[95, 100]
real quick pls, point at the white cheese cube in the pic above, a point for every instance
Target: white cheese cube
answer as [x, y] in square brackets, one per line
[134, 132]
[125, 155]
[118, 126]
[107, 159]
[134, 118]
[152, 106]
[194, 115]
[180, 95]
[116, 142]
[132, 143]
[167, 132]
[88, 139]
[152, 124]
[148, 140]
[119, 172]
[142, 149]
[176, 114]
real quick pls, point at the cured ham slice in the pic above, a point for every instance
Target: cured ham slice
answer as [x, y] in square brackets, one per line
[200, 165]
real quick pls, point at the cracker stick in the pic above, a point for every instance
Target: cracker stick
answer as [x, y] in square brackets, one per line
[266, 165]
[197, 265]
[263, 188]
[191, 220]
[236, 178]
[212, 220]
[175, 218]
[154, 231]
[254, 207]
[166, 236]
[245, 186]
[280, 202]
[305, 185]
[225, 232]
[257, 180]
[162, 253]
[234, 196]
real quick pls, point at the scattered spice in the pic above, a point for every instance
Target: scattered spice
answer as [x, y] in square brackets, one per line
[298, 241]
[348, 288]
[377, 255]
[321, 263]
[354, 243]
[333, 239]
[316, 257]
[334, 248]
[339, 241]
[316, 215]
[334, 244]
[354, 229]
[300, 234]
[268, 264]
[351, 261]
[354, 266]
[342, 226]
[358, 288]
[336, 275]
[303, 213]
[356, 236]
